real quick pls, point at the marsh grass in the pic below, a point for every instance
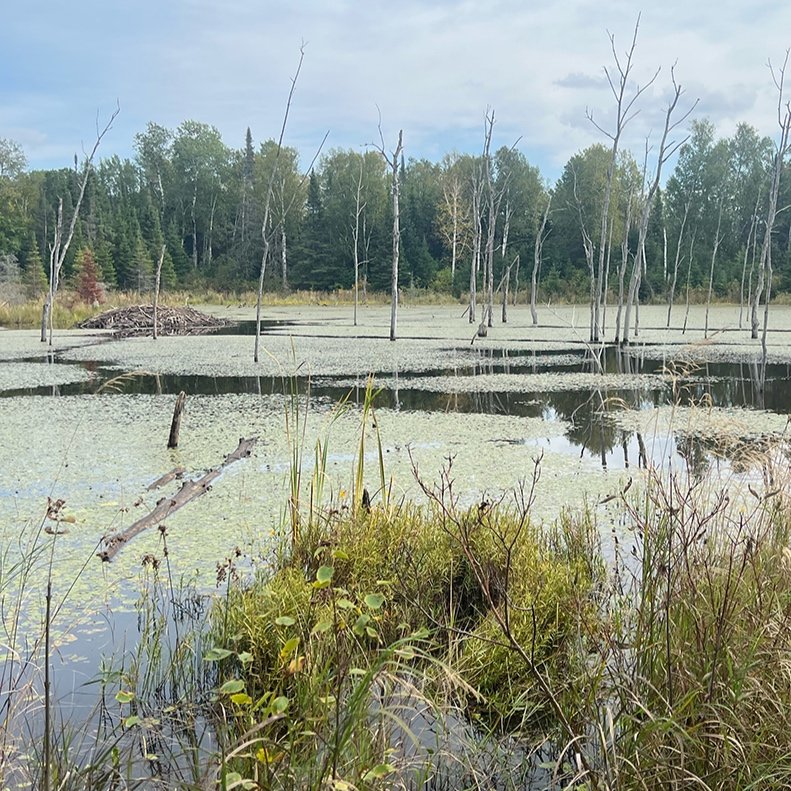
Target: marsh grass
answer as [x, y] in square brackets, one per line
[394, 644]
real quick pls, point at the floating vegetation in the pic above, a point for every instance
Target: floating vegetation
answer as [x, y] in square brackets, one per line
[526, 383]
[26, 344]
[21, 376]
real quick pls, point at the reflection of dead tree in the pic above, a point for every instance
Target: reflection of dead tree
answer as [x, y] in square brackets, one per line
[59, 247]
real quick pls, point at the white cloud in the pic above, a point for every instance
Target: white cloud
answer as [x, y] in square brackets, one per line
[431, 67]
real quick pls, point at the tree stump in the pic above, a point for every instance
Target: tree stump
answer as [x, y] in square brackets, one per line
[175, 425]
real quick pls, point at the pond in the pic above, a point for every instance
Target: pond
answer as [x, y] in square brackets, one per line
[87, 423]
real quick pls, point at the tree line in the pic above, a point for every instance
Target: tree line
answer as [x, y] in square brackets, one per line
[466, 221]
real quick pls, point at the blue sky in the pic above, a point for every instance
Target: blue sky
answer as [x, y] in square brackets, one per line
[432, 68]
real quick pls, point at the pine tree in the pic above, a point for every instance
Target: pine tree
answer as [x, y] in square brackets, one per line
[142, 266]
[87, 277]
[106, 263]
[35, 275]
[176, 252]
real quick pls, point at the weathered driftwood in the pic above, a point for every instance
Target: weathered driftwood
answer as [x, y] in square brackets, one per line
[175, 424]
[139, 320]
[189, 490]
[176, 472]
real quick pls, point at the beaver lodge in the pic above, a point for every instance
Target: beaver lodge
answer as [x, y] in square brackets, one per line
[139, 320]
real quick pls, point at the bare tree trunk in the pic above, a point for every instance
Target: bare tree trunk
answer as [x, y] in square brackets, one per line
[283, 257]
[507, 277]
[59, 247]
[392, 161]
[689, 277]
[359, 206]
[666, 150]
[750, 241]
[476, 246]
[784, 121]
[717, 240]
[623, 115]
[676, 262]
[537, 250]
[623, 267]
[194, 229]
[209, 250]
[156, 289]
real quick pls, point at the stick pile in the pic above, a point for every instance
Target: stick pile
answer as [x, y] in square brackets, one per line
[139, 320]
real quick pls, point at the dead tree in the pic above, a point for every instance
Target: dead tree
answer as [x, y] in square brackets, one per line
[392, 159]
[359, 208]
[666, 150]
[624, 112]
[671, 291]
[266, 231]
[156, 288]
[477, 234]
[752, 236]
[537, 251]
[714, 249]
[622, 269]
[765, 265]
[765, 271]
[59, 247]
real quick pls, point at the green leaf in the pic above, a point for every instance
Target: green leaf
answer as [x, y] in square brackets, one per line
[323, 576]
[131, 721]
[245, 657]
[374, 600]
[217, 654]
[241, 699]
[321, 627]
[285, 620]
[378, 772]
[279, 705]
[361, 623]
[123, 696]
[339, 554]
[371, 632]
[407, 652]
[289, 648]
[231, 687]
[345, 604]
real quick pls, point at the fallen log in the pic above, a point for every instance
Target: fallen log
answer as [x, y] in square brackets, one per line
[176, 472]
[111, 544]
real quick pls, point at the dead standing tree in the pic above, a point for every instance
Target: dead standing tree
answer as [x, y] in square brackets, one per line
[267, 232]
[59, 247]
[765, 265]
[666, 150]
[537, 251]
[624, 112]
[392, 161]
[765, 271]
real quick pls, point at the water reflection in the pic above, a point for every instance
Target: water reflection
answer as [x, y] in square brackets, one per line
[587, 410]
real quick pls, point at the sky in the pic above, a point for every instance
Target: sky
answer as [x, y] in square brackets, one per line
[429, 68]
